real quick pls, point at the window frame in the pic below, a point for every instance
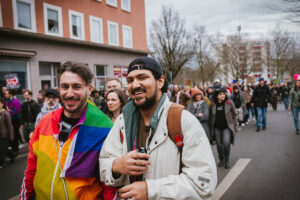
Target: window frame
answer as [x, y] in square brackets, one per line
[112, 4]
[129, 5]
[101, 29]
[108, 28]
[1, 23]
[32, 15]
[81, 15]
[59, 13]
[130, 29]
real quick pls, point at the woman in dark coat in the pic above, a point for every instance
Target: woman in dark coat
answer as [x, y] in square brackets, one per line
[6, 132]
[223, 121]
[199, 108]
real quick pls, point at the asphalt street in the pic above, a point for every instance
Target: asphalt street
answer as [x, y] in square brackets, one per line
[272, 173]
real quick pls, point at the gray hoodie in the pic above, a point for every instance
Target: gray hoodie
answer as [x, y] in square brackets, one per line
[44, 111]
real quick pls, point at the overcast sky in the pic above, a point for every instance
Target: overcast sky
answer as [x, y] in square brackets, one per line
[255, 16]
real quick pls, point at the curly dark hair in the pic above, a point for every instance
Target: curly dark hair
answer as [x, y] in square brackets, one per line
[78, 68]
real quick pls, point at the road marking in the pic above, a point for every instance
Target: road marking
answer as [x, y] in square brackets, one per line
[232, 175]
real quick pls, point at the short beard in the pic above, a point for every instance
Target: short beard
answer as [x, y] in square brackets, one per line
[149, 102]
[51, 107]
[80, 106]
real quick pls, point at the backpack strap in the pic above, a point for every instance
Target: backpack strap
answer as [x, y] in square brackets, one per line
[174, 128]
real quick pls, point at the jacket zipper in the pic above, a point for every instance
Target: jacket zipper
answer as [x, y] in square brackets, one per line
[57, 164]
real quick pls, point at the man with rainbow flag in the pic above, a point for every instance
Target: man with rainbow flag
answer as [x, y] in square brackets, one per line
[64, 148]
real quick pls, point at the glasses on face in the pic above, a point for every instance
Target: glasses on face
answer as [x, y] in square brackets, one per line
[52, 97]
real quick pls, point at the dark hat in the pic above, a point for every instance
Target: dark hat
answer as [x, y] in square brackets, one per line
[235, 87]
[261, 79]
[53, 92]
[146, 63]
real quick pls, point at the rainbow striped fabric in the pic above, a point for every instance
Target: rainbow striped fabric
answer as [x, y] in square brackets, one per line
[76, 173]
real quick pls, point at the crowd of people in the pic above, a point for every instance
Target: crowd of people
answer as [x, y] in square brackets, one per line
[113, 143]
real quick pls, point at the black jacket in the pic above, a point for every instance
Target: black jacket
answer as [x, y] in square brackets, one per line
[29, 111]
[261, 96]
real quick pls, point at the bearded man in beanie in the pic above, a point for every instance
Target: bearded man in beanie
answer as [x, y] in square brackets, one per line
[143, 123]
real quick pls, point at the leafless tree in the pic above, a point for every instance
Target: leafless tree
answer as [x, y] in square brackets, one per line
[291, 8]
[170, 41]
[281, 49]
[234, 56]
[207, 67]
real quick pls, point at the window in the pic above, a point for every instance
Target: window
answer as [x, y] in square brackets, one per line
[52, 20]
[76, 25]
[127, 36]
[125, 5]
[113, 33]
[48, 74]
[100, 75]
[0, 16]
[96, 29]
[24, 15]
[113, 3]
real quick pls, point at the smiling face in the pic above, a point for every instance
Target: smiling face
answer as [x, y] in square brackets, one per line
[113, 102]
[74, 93]
[143, 89]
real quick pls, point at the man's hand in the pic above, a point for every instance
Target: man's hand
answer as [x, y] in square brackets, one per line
[289, 108]
[137, 190]
[200, 115]
[133, 163]
[21, 126]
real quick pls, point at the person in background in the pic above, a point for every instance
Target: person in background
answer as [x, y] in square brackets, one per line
[239, 103]
[209, 93]
[199, 108]
[96, 98]
[115, 99]
[294, 103]
[6, 133]
[224, 125]
[111, 83]
[261, 96]
[247, 98]
[29, 111]
[51, 103]
[3, 91]
[41, 98]
[14, 108]
[285, 95]
[180, 96]
[274, 96]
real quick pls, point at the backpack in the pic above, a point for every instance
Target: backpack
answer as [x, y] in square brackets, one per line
[174, 128]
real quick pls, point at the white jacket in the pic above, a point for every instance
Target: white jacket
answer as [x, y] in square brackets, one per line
[199, 176]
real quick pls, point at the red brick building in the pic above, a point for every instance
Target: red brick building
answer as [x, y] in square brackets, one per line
[36, 36]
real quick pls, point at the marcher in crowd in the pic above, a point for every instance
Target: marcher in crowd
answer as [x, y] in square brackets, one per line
[199, 108]
[6, 133]
[285, 95]
[111, 83]
[275, 92]
[51, 103]
[116, 100]
[261, 96]
[29, 111]
[247, 99]
[238, 99]
[14, 108]
[41, 98]
[96, 98]
[224, 125]
[60, 164]
[143, 124]
[294, 103]
[179, 96]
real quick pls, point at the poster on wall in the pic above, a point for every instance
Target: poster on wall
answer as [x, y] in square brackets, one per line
[12, 81]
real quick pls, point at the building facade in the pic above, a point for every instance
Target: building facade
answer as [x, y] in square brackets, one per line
[36, 36]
